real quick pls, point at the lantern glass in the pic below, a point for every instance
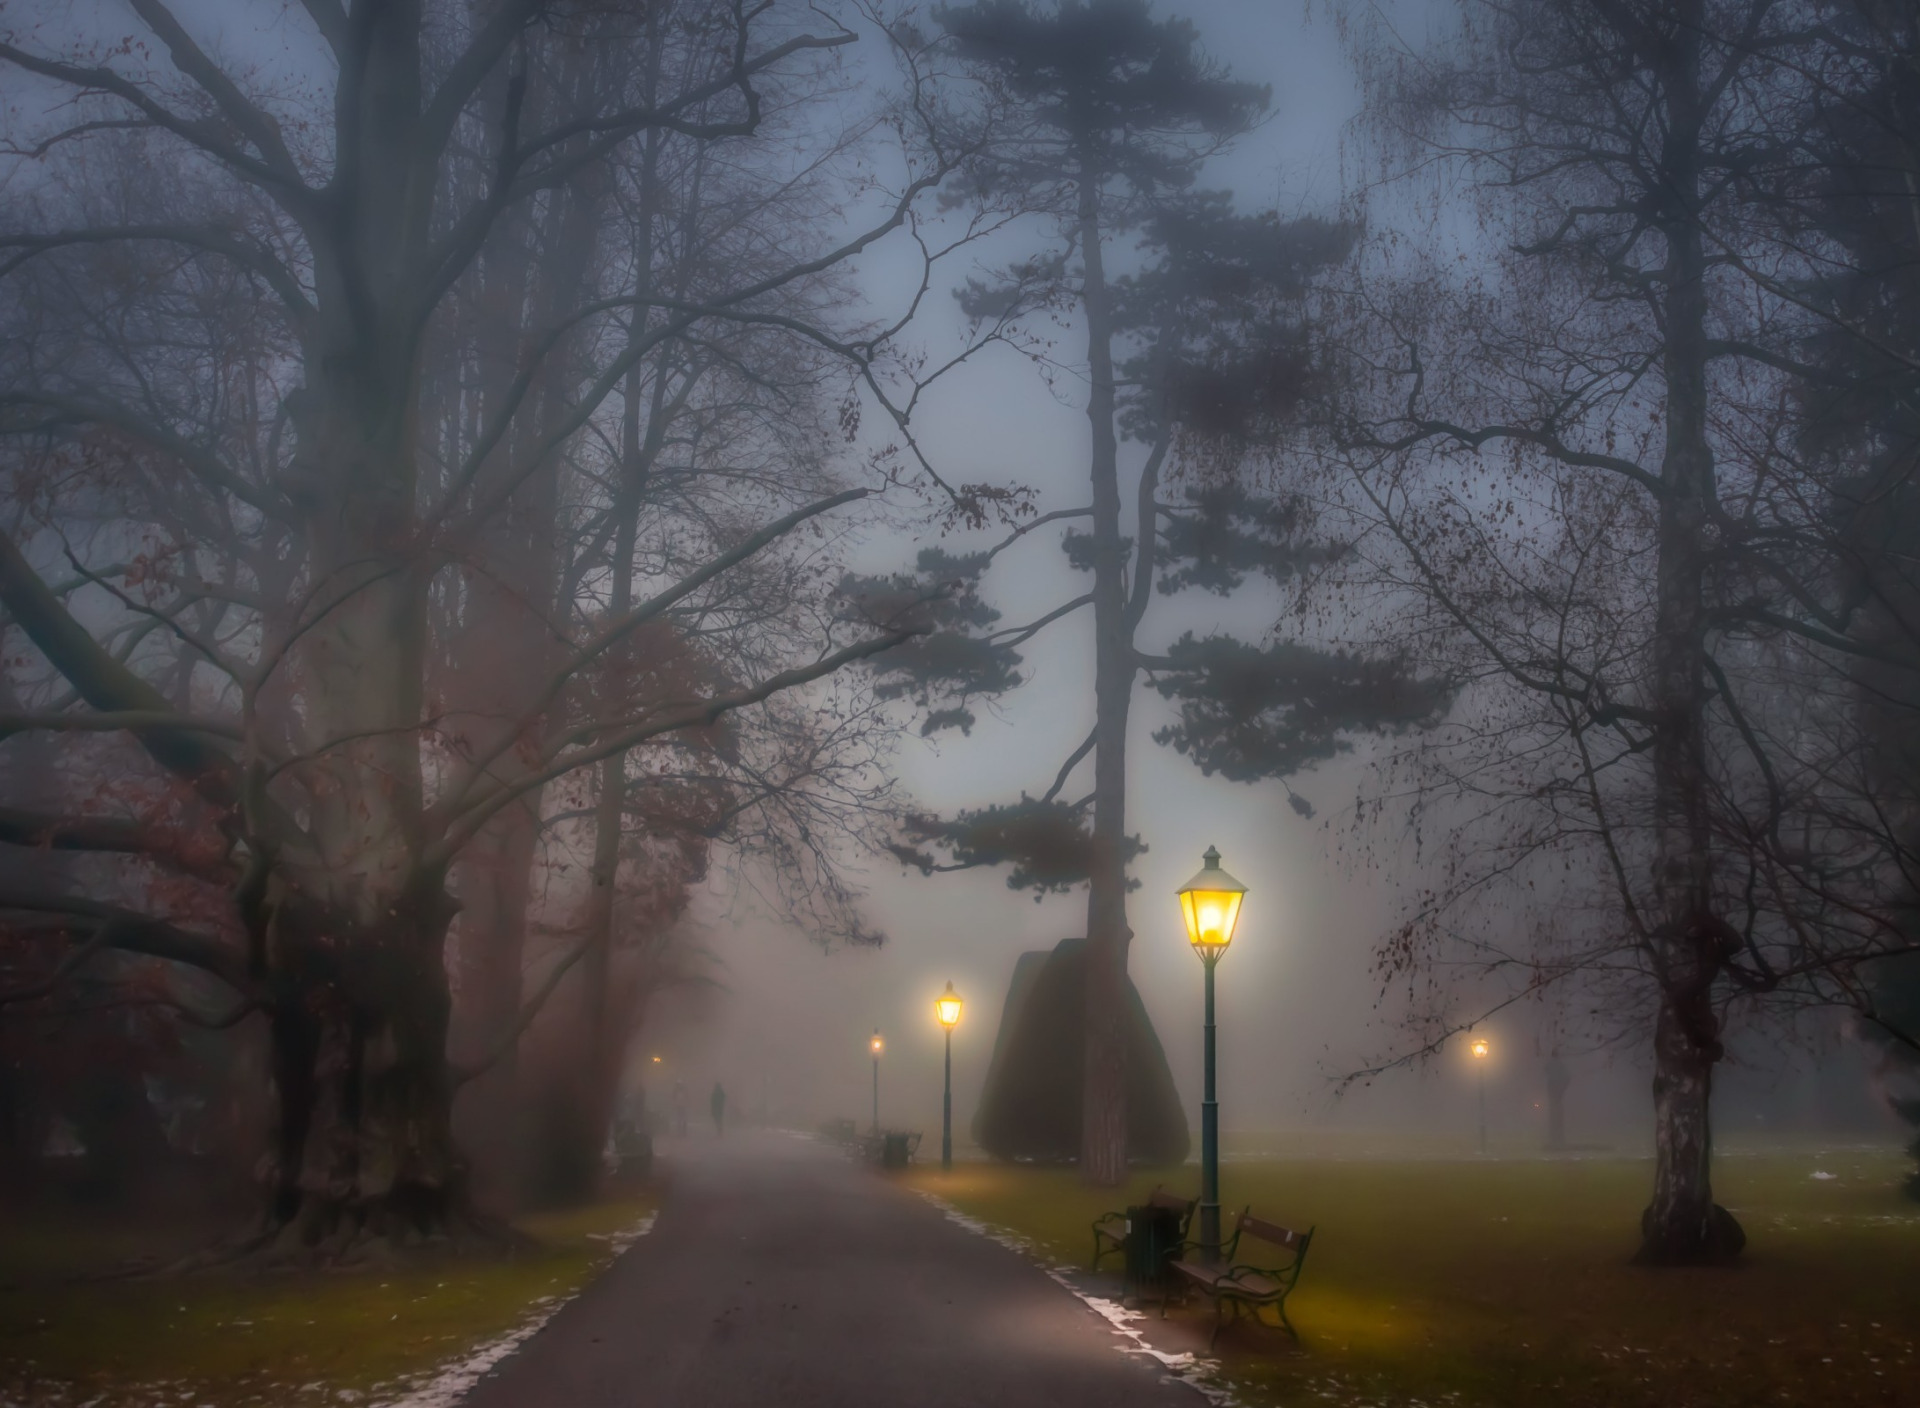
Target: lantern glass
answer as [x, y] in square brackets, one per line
[876, 1044]
[1480, 1048]
[947, 1007]
[1210, 904]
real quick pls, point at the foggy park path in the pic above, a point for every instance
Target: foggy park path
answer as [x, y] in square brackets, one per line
[779, 1275]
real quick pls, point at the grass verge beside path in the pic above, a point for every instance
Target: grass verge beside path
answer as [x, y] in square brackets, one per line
[302, 1341]
[1508, 1282]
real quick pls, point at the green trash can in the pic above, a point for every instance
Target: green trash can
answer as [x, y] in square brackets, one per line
[1153, 1241]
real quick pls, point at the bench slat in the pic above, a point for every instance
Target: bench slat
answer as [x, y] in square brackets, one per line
[1206, 1275]
[1269, 1232]
[1253, 1283]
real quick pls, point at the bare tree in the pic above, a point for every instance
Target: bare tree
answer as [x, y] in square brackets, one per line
[307, 535]
[1641, 584]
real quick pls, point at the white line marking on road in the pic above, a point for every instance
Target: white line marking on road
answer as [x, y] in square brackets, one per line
[1200, 1375]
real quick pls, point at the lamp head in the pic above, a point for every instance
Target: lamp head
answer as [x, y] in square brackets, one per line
[876, 1045]
[1210, 903]
[1481, 1048]
[946, 1008]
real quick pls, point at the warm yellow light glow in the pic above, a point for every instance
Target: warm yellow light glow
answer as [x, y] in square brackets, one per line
[946, 1008]
[1480, 1048]
[656, 1060]
[1210, 904]
[876, 1043]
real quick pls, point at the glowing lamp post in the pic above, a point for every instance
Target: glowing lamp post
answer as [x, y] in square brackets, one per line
[1210, 903]
[876, 1046]
[946, 1011]
[1481, 1049]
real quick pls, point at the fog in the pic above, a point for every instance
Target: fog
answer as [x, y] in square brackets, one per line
[722, 701]
[1301, 1005]
[1296, 994]
[510, 578]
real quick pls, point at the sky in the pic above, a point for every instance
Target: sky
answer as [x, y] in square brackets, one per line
[1296, 994]
[1303, 929]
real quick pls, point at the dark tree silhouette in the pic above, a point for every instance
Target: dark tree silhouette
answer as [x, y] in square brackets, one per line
[1584, 457]
[1099, 119]
[261, 434]
[1852, 198]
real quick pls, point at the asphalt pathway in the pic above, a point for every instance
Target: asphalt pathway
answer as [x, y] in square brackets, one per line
[779, 1275]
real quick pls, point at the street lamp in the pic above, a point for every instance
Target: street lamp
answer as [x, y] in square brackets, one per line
[1210, 904]
[946, 1011]
[876, 1046]
[1481, 1049]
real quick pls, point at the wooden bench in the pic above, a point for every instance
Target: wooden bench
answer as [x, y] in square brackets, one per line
[1233, 1285]
[1110, 1229]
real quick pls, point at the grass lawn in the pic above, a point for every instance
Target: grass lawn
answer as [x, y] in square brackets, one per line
[1507, 1281]
[305, 1340]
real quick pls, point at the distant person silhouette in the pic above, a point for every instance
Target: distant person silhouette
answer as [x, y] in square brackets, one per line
[718, 1102]
[679, 1107]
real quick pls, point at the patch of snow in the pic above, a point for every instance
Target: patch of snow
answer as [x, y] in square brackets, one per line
[1200, 1375]
[451, 1384]
[1824, 1177]
[619, 1241]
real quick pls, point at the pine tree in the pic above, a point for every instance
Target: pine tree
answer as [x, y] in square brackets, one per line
[1103, 116]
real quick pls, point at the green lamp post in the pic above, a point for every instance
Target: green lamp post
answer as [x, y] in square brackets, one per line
[1210, 904]
[946, 1011]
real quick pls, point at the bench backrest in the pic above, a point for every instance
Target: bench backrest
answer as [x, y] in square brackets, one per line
[1172, 1202]
[1284, 1237]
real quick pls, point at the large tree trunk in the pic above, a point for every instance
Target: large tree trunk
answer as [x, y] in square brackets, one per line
[1559, 1077]
[1682, 1225]
[577, 1114]
[495, 886]
[356, 907]
[504, 646]
[366, 1063]
[577, 1106]
[1103, 1129]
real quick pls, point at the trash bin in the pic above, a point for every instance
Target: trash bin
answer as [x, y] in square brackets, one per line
[1153, 1240]
[895, 1149]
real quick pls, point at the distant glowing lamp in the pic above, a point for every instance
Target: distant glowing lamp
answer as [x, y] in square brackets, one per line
[656, 1060]
[876, 1045]
[1210, 903]
[946, 1008]
[1480, 1048]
